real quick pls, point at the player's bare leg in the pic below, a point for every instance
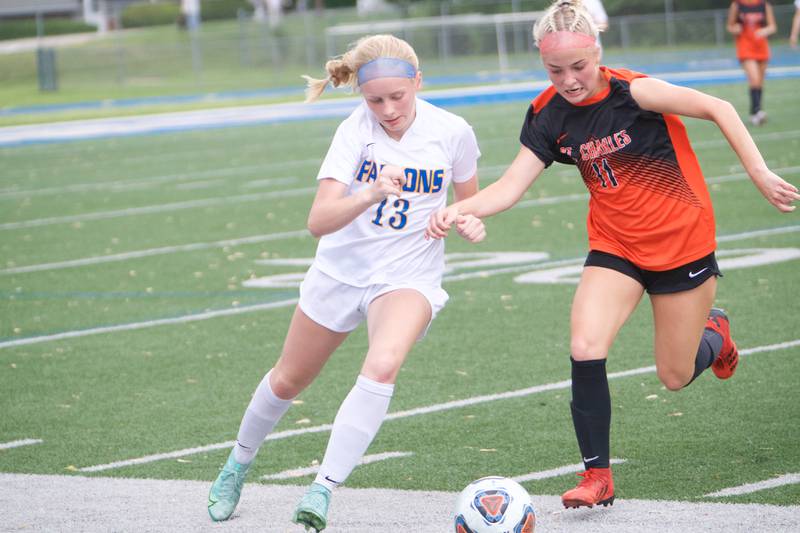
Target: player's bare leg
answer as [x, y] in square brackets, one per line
[307, 348]
[680, 319]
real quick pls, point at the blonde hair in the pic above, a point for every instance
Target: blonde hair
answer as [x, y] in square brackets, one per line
[343, 70]
[565, 15]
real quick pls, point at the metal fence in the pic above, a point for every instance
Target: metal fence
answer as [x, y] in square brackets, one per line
[244, 54]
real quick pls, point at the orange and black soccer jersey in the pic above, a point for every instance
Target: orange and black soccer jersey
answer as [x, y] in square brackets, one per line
[752, 15]
[649, 202]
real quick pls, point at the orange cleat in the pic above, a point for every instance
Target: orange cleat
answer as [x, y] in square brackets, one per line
[728, 358]
[596, 488]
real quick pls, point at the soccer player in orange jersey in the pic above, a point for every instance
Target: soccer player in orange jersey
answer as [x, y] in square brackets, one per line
[650, 224]
[752, 21]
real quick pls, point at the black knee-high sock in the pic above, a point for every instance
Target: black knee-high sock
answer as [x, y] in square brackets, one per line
[710, 346]
[755, 100]
[591, 411]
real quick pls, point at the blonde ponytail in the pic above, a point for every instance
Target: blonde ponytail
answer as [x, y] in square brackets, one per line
[343, 71]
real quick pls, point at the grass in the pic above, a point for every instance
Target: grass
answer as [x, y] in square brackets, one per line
[108, 397]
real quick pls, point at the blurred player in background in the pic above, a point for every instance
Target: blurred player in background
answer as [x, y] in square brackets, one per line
[598, 13]
[599, 16]
[372, 262]
[650, 224]
[752, 21]
[795, 31]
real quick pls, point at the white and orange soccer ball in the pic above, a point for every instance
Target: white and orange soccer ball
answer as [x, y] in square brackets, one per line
[494, 504]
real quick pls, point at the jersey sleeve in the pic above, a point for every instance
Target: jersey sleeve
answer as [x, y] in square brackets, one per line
[465, 155]
[344, 155]
[536, 137]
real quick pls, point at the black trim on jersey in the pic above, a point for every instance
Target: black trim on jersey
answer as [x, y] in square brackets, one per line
[635, 143]
[746, 8]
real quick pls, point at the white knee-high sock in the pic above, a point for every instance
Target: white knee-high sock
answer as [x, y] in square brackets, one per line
[358, 420]
[264, 411]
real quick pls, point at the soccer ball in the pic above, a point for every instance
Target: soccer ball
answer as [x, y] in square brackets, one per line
[494, 504]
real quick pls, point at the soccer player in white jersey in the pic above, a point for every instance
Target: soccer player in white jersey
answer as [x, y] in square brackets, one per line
[388, 169]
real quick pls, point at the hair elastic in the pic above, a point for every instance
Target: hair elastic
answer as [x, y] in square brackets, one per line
[385, 67]
[565, 39]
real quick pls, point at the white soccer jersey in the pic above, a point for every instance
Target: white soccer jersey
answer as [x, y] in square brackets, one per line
[386, 244]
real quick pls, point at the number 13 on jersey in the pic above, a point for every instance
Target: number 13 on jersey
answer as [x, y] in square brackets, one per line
[398, 219]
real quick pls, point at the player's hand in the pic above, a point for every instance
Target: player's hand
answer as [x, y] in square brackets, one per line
[736, 29]
[440, 222]
[389, 182]
[779, 192]
[470, 228]
[761, 32]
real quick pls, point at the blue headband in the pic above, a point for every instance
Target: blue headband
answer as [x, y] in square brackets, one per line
[385, 67]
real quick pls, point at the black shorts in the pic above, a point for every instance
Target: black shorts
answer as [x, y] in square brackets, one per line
[679, 279]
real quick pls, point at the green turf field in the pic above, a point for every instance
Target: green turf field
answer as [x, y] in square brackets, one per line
[142, 235]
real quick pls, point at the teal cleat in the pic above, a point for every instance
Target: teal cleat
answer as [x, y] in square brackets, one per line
[312, 511]
[226, 489]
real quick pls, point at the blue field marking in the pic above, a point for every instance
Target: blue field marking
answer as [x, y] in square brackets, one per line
[151, 101]
[686, 61]
[340, 107]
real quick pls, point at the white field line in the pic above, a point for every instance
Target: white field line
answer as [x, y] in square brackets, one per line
[268, 182]
[763, 137]
[758, 233]
[95, 504]
[786, 479]
[148, 323]
[456, 404]
[206, 202]
[367, 459]
[149, 209]
[246, 309]
[152, 181]
[577, 260]
[556, 472]
[18, 443]
[197, 185]
[124, 256]
[245, 240]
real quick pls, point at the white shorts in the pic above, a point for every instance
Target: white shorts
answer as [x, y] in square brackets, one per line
[341, 307]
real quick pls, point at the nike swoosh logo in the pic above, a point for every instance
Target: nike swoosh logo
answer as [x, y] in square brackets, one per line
[695, 274]
[211, 502]
[590, 459]
[332, 481]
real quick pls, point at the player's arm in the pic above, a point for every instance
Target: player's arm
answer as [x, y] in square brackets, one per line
[465, 189]
[468, 227]
[771, 26]
[333, 208]
[733, 25]
[662, 97]
[497, 197]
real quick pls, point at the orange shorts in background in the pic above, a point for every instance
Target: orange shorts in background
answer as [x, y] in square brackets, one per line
[749, 46]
